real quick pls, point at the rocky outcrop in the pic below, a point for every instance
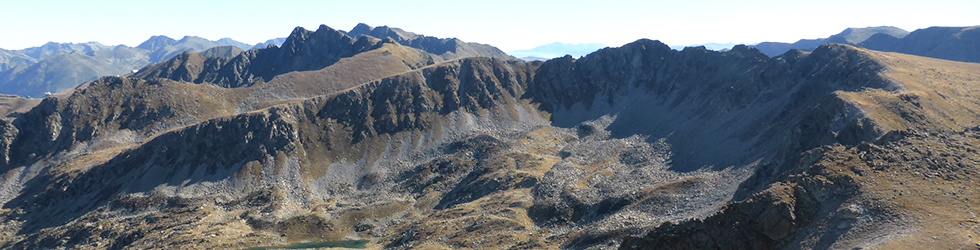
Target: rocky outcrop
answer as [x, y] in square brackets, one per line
[768, 220]
[838, 197]
[713, 102]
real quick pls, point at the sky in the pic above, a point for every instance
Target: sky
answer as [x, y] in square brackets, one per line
[506, 24]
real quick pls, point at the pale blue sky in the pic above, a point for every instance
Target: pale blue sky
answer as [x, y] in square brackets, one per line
[509, 25]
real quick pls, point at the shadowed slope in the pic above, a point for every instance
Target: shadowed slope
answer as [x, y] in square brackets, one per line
[872, 195]
[303, 50]
[720, 109]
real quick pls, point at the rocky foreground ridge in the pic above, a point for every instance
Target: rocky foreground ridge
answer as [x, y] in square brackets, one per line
[634, 147]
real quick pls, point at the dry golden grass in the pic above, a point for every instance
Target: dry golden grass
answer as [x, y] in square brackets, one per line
[936, 94]
[928, 180]
[496, 221]
[389, 60]
[939, 203]
[14, 104]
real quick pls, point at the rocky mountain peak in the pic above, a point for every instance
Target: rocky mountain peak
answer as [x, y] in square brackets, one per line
[157, 42]
[447, 48]
[360, 29]
[302, 39]
[303, 50]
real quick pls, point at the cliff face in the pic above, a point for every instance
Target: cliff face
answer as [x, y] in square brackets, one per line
[719, 109]
[865, 195]
[483, 152]
[319, 145]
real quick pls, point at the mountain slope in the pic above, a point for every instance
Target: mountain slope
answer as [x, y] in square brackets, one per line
[15, 104]
[851, 36]
[950, 43]
[54, 67]
[447, 48]
[303, 50]
[901, 191]
[488, 153]
[65, 71]
[12, 59]
[51, 49]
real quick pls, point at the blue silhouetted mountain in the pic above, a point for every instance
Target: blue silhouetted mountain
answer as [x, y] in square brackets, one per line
[447, 48]
[558, 49]
[275, 41]
[231, 42]
[709, 46]
[950, 43]
[851, 36]
[53, 67]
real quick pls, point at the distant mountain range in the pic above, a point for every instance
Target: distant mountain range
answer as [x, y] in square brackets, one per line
[53, 67]
[950, 43]
[709, 46]
[447, 48]
[328, 44]
[850, 36]
[557, 49]
[270, 42]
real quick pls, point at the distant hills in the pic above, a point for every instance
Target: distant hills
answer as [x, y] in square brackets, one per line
[950, 43]
[52, 67]
[850, 36]
[446, 48]
[306, 50]
[557, 49]
[275, 41]
[709, 46]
